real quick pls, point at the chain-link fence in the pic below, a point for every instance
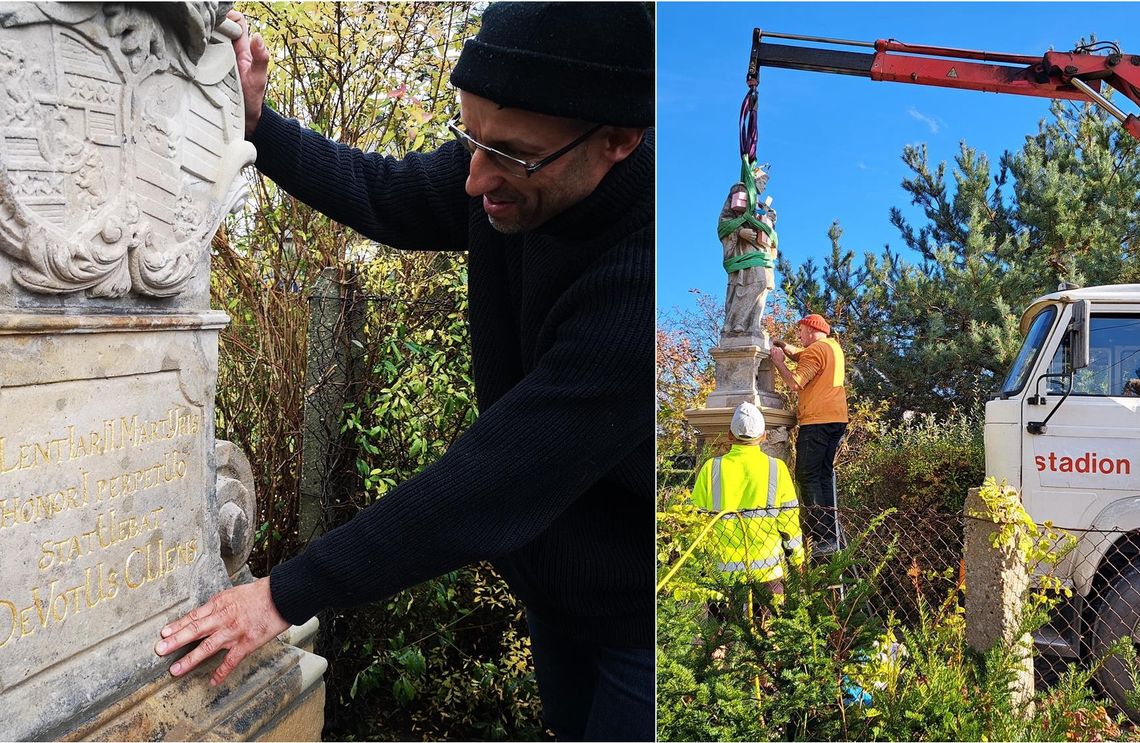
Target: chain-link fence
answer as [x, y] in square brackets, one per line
[915, 555]
[388, 389]
[913, 560]
[387, 385]
[1095, 577]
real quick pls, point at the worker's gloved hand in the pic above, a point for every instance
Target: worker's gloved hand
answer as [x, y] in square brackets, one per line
[779, 344]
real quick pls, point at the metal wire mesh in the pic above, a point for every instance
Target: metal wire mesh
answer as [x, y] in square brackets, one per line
[924, 550]
[1097, 572]
[366, 354]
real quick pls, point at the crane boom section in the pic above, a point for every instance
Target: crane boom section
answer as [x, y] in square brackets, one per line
[1051, 75]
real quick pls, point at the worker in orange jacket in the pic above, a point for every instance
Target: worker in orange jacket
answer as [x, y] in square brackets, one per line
[822, 417]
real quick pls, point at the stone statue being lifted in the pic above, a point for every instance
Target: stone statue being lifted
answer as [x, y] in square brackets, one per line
[749, 259]
[743, 362]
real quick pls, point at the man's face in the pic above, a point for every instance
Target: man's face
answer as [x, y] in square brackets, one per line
[515, 204]
[806, 335]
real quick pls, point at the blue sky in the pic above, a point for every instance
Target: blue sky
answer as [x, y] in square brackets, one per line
[834, 142]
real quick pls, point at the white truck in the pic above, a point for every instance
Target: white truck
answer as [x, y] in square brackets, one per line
[1065, 430]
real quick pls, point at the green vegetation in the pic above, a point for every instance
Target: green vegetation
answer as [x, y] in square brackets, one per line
[827, 666]
[923, 463]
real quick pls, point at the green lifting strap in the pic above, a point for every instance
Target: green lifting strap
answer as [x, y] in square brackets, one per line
[729, 226]
[749, 182]
[748, 260]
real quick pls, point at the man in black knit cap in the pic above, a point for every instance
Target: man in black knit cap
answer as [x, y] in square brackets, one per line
[549, 189]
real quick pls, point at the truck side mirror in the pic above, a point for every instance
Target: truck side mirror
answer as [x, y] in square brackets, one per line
[1079, 335]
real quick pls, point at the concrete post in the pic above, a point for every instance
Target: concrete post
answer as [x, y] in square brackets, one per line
[997, 579]
[335, 319]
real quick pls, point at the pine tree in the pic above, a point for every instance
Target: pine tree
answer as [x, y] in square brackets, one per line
[938, 330]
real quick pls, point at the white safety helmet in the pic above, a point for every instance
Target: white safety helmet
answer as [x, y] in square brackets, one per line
[747, 422]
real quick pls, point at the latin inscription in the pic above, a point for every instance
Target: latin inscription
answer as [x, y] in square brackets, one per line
[17, 510]
[115, 435]
[100, 509]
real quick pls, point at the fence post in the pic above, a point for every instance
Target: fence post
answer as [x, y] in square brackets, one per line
[997, 579]
[335, 320]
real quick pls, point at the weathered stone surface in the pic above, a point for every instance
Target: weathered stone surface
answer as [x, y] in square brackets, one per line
[120, 141]
[120, 145]
[997, 579]
[712, 425]
[107, 520]
[744, 373]
[237, 506]
[273, 689]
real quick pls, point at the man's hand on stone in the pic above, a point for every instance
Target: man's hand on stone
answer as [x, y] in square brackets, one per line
[253, 69]
[777, 354]
[238, 620]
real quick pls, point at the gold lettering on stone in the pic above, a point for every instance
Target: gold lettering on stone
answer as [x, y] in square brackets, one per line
[54, 603]
[57, 602]
[156, 560]
[90, 505]
[20, 510]
[109, 529]
[125, 432]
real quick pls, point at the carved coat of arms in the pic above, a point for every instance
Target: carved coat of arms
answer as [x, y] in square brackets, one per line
[121, 141]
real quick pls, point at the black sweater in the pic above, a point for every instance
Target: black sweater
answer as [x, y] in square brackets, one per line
[553, 483]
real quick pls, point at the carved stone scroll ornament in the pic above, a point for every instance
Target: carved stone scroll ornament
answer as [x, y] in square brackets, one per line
[121, 138]
[237, 505]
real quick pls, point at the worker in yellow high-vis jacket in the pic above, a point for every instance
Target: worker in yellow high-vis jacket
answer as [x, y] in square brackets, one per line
[760, 531]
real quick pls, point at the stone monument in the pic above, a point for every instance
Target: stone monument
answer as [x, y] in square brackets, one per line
[744, 370]
[121, 142]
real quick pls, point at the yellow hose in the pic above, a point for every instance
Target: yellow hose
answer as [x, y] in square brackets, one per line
[689, 552]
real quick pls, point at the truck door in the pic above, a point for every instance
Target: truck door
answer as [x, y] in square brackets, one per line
[1088, 454]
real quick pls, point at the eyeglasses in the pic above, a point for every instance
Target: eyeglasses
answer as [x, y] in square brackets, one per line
[512, 165]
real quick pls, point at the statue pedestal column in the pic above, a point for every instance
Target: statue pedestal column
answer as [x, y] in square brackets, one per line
[712, 428]
[744, 373]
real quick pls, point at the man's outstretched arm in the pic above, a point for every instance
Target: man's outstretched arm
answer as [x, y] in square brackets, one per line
[584, 409]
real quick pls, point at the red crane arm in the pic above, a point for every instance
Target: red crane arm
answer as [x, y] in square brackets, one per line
[1075, 75]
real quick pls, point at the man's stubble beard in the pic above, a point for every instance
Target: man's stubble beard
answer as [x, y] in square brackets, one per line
[557, 197]
[505, 228]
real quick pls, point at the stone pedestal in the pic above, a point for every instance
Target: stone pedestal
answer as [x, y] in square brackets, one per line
[120, 146]
[712, 428]
[744, 373]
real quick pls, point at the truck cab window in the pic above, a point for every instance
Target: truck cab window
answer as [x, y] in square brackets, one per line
[1027, 357]
[1114, 359]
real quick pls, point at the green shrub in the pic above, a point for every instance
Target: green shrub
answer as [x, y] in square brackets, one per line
[923, 463]
[447, 660]
[797, 675]
[757, 679]
[417, 395]
[450, 658]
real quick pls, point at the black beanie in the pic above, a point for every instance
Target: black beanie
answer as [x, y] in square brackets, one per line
[589, 61]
